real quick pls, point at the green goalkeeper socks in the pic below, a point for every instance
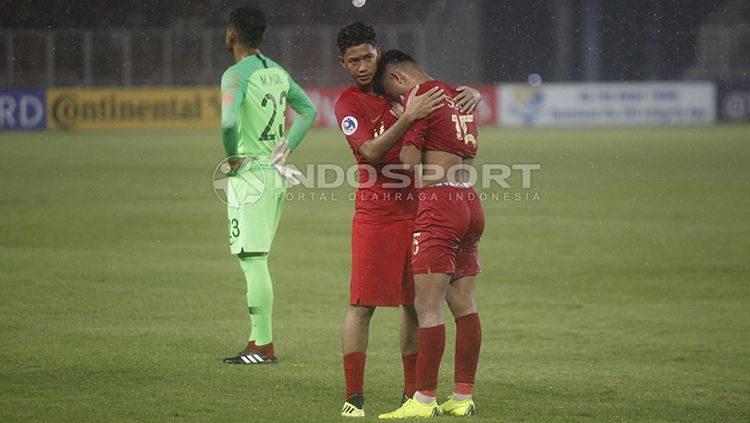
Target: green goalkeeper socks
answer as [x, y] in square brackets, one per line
[259, 297]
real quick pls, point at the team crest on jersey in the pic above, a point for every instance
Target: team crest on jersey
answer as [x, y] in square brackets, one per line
[349, 125]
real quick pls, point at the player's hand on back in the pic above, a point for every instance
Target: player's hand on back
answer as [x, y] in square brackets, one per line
[420, 106]
[232, 165]
[467, 99]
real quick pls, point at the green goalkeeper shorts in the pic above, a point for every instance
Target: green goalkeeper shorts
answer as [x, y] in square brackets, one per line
[255, 200]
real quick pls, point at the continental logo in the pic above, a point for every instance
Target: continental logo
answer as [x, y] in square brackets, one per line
[133, 108]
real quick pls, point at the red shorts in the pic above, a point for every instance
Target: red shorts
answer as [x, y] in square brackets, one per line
[449, 225]
[381, 273]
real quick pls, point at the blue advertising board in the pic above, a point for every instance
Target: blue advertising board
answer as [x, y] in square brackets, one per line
[23, 110]
[609, 104]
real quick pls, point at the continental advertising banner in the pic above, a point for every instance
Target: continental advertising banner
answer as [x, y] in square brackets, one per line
[175, 108]
[22, 110]
[608, 104]
[102, 108]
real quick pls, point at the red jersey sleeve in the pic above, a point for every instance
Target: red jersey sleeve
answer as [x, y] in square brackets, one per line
[355, 127]
[418, 130]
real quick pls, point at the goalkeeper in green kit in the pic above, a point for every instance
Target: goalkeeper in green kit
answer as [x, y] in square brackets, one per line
[255, 91]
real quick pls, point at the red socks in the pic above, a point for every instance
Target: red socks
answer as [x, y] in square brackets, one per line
[431, 347]
[354, 373]
[421, 369]
[265, 350]
[468, 342]
[249, 348]
[410, 373]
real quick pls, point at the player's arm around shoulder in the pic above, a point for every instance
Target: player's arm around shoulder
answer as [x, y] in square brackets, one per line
[417, 107]
[467, 99]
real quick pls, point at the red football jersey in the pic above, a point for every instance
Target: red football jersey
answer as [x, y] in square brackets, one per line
[363, 117]
[445, 129]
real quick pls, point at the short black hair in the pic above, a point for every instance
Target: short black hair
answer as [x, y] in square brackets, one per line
[354, 35]
[395, 56]
[389, 57]
[250, 25]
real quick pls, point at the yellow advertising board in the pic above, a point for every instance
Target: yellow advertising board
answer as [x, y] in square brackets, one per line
[140, 108]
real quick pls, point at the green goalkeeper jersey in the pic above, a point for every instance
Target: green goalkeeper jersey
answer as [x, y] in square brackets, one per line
[255, 92]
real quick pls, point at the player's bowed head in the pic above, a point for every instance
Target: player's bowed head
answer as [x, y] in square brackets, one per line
[398, 73]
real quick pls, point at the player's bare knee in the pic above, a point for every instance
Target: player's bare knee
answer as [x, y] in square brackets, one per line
[464, 310]
[427, 305]
[361, 312]
[430, 316]
[461, 305]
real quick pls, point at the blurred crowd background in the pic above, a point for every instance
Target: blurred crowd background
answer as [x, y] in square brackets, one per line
[166, 43]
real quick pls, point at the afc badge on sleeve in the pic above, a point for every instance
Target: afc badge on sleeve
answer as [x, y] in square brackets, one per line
[349, 125]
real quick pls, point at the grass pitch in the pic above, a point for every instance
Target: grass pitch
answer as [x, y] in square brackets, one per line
[621, 294]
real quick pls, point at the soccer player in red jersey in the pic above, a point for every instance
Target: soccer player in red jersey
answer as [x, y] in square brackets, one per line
[447, 230]
[384, 216]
